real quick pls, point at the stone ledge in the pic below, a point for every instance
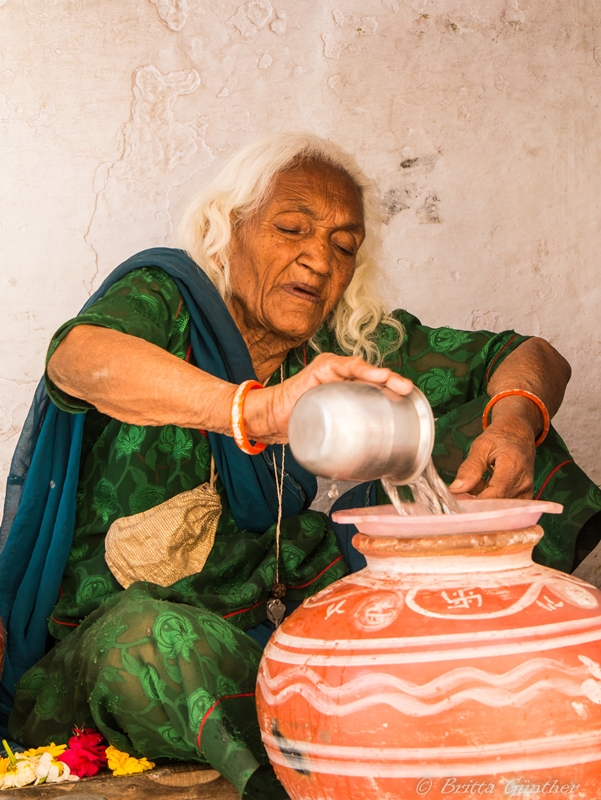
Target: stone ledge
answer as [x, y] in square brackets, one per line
[173, 782]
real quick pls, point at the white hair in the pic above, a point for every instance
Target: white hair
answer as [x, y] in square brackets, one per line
[240, 189]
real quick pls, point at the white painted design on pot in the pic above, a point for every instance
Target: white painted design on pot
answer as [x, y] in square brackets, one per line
[592, 666]
[548, 604]
[470, 598]
[546, 752]
[462, 598]
[335, 608]
[324, 597]
[435, 640]
[378, 611]
[574, 594]
[488, 689]
[445, 579]
[488, 651]
[591, 687]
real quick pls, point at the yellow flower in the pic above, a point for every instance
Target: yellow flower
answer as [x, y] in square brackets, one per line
[124, 764]
[54, 750]
[4, 762]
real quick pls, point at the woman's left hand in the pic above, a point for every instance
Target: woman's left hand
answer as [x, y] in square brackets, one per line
[506, 448]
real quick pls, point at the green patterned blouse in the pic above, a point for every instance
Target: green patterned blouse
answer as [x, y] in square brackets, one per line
[126, 469]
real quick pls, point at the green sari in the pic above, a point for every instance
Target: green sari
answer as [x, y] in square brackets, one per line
[170, 673]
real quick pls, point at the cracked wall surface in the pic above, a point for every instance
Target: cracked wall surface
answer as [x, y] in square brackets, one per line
[478, 120]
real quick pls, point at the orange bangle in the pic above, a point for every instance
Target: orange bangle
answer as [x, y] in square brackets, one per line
[237, 419]
[520, 393]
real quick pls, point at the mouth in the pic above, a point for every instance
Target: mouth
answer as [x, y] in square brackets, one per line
[303, 291]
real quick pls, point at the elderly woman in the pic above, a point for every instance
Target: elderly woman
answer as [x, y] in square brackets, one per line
[150, 395]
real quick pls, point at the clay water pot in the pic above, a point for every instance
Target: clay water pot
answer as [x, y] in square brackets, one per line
[451, 666]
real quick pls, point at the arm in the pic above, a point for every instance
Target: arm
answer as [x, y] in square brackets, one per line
[507, 445]
[137, 382]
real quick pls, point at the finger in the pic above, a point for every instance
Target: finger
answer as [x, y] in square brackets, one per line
[331, 369]
[478, 488]
[492, 492]
[469, 474]
[358, 369]
[398, 384]
[509, 480]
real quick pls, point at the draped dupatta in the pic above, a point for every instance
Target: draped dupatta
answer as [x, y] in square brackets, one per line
[40, 507]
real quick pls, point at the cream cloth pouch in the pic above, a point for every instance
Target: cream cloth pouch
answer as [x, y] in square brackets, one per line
[167, 542]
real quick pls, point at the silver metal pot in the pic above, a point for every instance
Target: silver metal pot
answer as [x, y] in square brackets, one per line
[362, 432]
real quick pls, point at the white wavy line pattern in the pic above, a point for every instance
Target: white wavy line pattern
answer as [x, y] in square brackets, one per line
[404, 696]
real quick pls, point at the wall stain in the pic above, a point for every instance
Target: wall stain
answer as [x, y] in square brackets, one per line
[428, 213]
[394, 201]
[174, 13]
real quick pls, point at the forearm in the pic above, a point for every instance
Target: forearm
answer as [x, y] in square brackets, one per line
[537, 367]
[507, 446]
[137, 382]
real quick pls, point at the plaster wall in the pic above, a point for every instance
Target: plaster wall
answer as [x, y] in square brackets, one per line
[479, 120]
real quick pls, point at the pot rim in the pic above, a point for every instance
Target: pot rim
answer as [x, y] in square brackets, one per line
[478, 516]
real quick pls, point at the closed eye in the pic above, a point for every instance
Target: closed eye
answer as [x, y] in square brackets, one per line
[287, 230]
[345, 244]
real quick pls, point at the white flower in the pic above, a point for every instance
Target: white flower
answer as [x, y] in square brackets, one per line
[18, 774]
[48, 770]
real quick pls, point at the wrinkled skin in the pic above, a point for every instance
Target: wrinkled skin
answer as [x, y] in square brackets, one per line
[291, 262]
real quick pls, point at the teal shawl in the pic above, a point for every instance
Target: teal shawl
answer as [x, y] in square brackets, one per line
[39, 518]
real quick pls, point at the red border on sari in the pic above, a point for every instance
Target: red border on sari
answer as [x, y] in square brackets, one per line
[213, 707]
[551, 474]
[302, 586]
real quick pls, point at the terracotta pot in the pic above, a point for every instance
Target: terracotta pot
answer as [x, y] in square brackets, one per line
[451, 666]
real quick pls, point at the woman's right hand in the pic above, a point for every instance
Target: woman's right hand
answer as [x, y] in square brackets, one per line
[266, 412]
[137, 382]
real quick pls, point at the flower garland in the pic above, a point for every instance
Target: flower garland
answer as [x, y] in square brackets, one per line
[84, 756]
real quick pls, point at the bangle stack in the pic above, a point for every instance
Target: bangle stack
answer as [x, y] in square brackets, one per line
[237, 419]
[520, 393]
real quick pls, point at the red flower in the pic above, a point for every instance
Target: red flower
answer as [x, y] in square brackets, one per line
[86, 754]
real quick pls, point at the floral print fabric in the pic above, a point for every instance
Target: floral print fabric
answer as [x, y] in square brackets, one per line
[159, 679]
[126, 469]
[169, 673]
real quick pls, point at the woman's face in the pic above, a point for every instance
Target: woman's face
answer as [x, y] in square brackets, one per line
[292, 260]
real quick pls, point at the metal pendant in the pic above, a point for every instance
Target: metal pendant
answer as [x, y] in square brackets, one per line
[275, 611]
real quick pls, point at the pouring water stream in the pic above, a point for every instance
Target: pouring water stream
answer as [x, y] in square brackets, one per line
[360, 432]
[429, 492]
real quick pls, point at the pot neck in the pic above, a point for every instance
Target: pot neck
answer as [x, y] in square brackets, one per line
[468, 552]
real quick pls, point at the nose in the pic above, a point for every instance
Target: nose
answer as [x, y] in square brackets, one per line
[316, 254]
